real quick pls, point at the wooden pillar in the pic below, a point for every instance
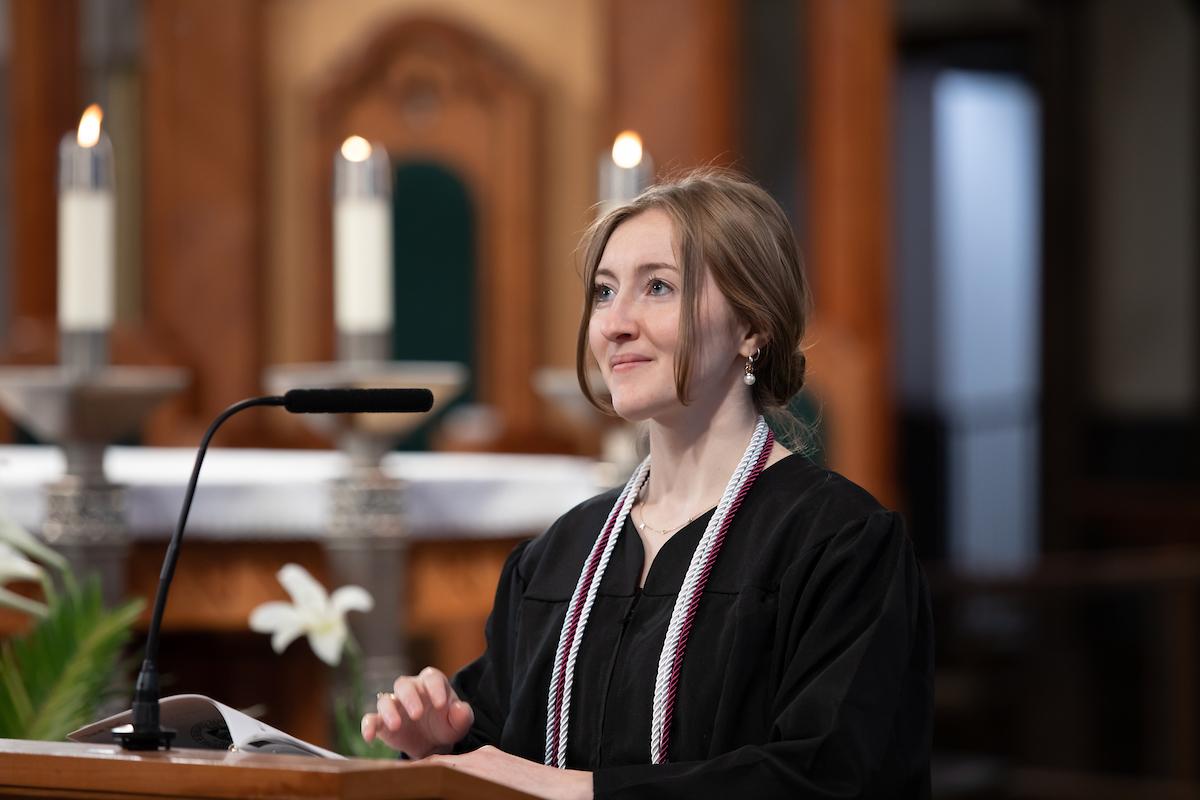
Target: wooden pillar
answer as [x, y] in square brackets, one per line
[674, 75]
[44, 104]
[849, 54]
[202, 224]
[43, 96]
[1067, 186]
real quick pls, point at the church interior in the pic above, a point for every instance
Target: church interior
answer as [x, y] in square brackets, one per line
[997, 202]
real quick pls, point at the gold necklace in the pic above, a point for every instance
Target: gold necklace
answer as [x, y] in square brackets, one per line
[646, 526]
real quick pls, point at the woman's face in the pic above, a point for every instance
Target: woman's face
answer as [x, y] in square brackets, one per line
[634, 328]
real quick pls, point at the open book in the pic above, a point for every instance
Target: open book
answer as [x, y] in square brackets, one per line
[201, 722]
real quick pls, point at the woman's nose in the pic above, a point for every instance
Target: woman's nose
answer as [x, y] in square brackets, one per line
[616, 320]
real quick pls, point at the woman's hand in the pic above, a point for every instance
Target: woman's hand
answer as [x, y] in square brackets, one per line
[518, 773]
[422, 715]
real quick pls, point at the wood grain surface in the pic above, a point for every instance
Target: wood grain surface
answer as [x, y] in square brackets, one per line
[70, 770]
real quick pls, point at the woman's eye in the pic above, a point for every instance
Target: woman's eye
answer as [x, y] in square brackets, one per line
[601, 292]
[657, 287]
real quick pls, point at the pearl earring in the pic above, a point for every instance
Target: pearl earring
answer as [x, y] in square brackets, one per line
[749, 378]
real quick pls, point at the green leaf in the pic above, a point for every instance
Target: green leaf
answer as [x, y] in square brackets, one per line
[348, 733]
[53, 679]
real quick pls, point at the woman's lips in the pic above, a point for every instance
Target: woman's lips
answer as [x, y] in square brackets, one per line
[625, 366]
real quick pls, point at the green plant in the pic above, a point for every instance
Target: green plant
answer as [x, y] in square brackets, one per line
[55, 678]
[348, 711]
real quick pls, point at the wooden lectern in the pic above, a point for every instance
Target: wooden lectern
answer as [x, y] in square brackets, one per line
[106, 772]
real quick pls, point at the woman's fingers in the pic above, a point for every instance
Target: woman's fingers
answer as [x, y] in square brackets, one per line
[436, 686]
[373, 728]
[421, 715]
[441, 694]
[408, 693]
[395, 726]
[370, 725]
[391, 712]
[461, 717]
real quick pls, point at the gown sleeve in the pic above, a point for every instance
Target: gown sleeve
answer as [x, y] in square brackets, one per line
[855, 628]
[485, 682]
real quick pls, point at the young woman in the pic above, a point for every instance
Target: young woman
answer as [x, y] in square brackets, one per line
[735, 621]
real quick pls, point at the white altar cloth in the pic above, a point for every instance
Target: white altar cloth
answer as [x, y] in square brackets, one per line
[284, 494]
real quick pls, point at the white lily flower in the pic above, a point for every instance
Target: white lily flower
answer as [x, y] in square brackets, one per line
[312, 612]
[13, 534]
[15, 566]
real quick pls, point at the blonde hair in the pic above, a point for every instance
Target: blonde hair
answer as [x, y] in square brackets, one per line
[730, 227]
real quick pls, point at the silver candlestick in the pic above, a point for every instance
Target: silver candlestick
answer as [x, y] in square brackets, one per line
[367, 542]
[84, 407]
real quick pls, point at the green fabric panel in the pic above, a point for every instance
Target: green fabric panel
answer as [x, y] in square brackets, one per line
[434, 269]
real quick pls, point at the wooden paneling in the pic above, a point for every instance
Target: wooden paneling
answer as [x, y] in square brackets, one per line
[217, 585]
[44, 104]
[448, 592]
[674, 75]
[849, 52]
[428, 89]
[203, 215]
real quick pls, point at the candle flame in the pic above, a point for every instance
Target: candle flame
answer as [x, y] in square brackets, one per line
[356, 148]
[627, 150]
[89, 126]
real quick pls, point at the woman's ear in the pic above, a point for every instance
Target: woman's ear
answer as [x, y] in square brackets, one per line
[752, 343]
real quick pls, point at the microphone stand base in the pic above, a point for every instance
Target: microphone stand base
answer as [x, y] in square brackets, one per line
[131, 739]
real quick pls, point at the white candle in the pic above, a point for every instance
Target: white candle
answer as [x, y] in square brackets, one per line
[362, 238]
[86, 238]
[624, 173]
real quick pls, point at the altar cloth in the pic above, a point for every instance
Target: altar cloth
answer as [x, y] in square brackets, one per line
[285, 494]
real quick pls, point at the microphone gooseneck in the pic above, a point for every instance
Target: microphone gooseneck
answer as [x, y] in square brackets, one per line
[145, 733]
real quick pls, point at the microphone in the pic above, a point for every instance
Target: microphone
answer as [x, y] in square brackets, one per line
[145, 732]
[357, 401]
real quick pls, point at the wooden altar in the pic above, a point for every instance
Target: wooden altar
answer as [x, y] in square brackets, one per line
[464, 514]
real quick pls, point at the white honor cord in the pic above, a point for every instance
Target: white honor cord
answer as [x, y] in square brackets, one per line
[664, 686]
[666, 680]
[558, 708]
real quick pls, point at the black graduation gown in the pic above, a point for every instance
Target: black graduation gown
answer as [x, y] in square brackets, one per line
[809, 672]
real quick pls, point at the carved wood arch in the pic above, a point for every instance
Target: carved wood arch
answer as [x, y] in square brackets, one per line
[429, 89]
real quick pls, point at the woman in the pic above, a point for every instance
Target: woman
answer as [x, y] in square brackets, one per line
[736, 621]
